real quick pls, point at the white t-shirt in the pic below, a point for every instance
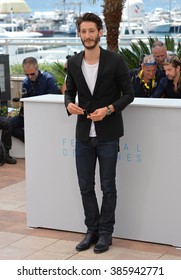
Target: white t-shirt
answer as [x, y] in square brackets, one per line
[90, 75]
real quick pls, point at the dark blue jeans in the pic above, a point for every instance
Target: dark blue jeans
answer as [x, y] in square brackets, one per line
[17, 124]
[87, 154]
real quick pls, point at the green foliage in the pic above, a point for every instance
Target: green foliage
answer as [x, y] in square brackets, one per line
[170, 44]
[132, 59]
[16, 69]
[59, 72]
[140, 48]
[3, 110]
[178, 50]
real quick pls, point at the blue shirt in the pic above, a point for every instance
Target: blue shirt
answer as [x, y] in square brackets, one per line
[166, 89]
[45, 84]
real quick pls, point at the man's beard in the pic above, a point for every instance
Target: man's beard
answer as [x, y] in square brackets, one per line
[172, 77]
[96, 41]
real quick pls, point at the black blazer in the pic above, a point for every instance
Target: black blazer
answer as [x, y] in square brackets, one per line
[113, 86]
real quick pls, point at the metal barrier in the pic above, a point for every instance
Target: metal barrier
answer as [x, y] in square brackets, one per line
[44, 49]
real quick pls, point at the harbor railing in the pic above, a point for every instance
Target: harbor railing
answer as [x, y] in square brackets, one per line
[44, 49]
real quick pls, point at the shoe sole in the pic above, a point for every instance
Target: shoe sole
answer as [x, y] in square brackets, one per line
[79, 250]
[86, 248]
[101, 251]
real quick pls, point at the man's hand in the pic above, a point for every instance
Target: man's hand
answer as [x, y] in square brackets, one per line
[75, 109]
[98, 115]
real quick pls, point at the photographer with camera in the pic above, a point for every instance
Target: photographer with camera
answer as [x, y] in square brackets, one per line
[36, 83]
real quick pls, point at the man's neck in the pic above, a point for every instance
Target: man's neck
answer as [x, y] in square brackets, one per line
[176, 81]
[92, 56]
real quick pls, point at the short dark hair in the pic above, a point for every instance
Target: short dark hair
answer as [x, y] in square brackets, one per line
[30, 60]
[158, 44]
[89, 17]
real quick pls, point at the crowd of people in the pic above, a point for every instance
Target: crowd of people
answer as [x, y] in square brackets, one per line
[159, 75]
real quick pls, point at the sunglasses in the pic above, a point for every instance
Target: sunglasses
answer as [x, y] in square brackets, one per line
[150, 63]
[171, 59]
[31, 74]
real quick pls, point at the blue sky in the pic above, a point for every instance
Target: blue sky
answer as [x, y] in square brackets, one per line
[50, 5]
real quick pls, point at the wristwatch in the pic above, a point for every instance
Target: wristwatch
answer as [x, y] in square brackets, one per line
[109, 111]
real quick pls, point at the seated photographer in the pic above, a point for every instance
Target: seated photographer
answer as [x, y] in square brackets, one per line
[146, 78]
[170, 86]
[36, 83]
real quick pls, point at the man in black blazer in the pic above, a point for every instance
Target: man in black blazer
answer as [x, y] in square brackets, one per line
[101, 80]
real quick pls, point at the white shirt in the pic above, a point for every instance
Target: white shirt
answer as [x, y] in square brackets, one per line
[90, 75]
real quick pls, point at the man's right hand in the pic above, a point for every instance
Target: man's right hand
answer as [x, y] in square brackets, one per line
[75, 109]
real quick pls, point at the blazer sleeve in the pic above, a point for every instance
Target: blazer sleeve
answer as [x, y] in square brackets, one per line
[123, 79]
[70, 94]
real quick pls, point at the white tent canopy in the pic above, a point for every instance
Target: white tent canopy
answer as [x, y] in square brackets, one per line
[15, 6]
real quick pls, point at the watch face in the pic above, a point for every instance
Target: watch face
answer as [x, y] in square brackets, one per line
[109, 111]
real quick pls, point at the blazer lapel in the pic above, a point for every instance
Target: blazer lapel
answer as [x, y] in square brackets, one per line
[100, 70]
[82, 78]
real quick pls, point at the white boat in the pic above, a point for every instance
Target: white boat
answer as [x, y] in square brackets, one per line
[135, 20]
[18, 34]
[158, 21]
[132, 25]
[68, 28]
[43, 27]
[157, 26]
[176, 25]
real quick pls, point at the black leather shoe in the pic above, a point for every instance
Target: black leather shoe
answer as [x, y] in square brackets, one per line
[105, 240]
[87, 242]
[9, 159]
